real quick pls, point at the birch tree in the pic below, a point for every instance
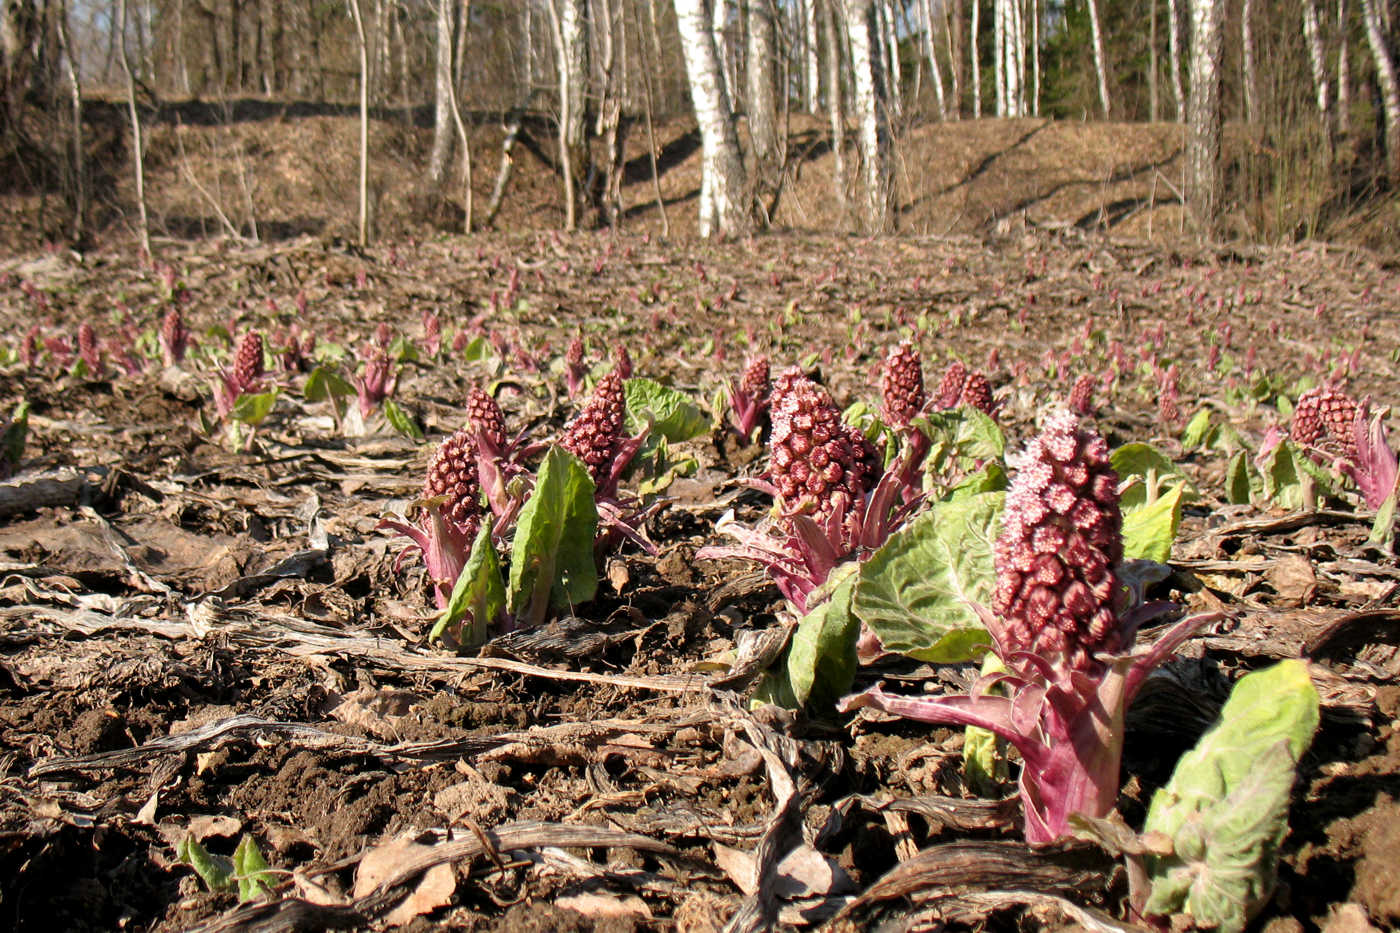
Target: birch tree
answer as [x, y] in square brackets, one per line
[723, 212]
[1174, 44]
[811, 65]
[762, 89]
[1100, 67]
[835, 102]
[569, 24]
[926, 16]
[1251, 81]
[1203, 175]
[1317, 58]
[976, 64]
[872, 134]
[1390, 86]
[442, 96]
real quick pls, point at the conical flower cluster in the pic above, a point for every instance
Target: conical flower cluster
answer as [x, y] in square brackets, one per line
[248, 362]
[1326, 417]
[87, 349]
[815, 456]
[902, 385]
[755, 383]
[452, 473]
[1081, 395]
[485, 417]
[1060, 542]
[594, 435]
[174, 337]
[959, 386]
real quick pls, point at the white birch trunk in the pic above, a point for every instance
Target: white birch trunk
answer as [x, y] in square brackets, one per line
[1317, 58]
[1035, 57]
[364, 119]
[442, 96]
[719, 26]
[894, 92]
[1343, 71]
[999, 54]
[976, 65]
[1390, 86]
[1174, 54]
[811, 64]
[872, 134]
[1203, 178]
[723, 212]
[762, 91]
[1100, 66]
[926, 14]
[1251, 82]
[835, 104]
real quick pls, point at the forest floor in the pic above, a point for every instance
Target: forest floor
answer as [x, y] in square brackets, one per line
[204, 643]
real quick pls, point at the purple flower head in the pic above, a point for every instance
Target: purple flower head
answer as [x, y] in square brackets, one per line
[902, 385]
[174, 338]
[816, 459]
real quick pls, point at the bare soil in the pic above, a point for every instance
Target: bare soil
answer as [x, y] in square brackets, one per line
[203, 643]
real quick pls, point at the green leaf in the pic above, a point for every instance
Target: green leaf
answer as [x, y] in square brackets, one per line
[821, 660]
[251, 870]
[215, 871]
[1149, 530]
[1199, 431]
[1237, 484]
[326, 384]
[401, 421]
[1139, 459]
[1226, 806]
[253, 407]
[978, 435]
[402, 350]
[478, 597]
[1383, 528]
[478, 350]
[12, 442]
[551, 561]
[984, 755]
[917, 591]
[669, 412]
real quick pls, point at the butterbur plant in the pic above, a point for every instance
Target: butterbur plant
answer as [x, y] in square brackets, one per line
[451, 514]
[1063, 624]
[575, 369]
[174, 338]
[748, 398]
[832, 504]
[1331, 426]
[597, 437]
[376, 382]
[237, 398]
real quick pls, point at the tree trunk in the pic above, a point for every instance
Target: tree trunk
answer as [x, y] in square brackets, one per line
[442, 97]
[358, 16]
[872, 136]
[723, 212]
[1317, 58]
[975, 63]
[999, 54]
[762, 90]
[952, 33]
[1035, 57]
[889, 59]
[1251, 82]
[1203, 174]
[1174, 55]
[468, 202]
[137, 157]
[926, 14]
[75, 102]
[811, 64]
[719, 26]
[1390, 86]
[1154, 100]
[1343, 70]
[835, 105]
[570, 27]
[1100, 66]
